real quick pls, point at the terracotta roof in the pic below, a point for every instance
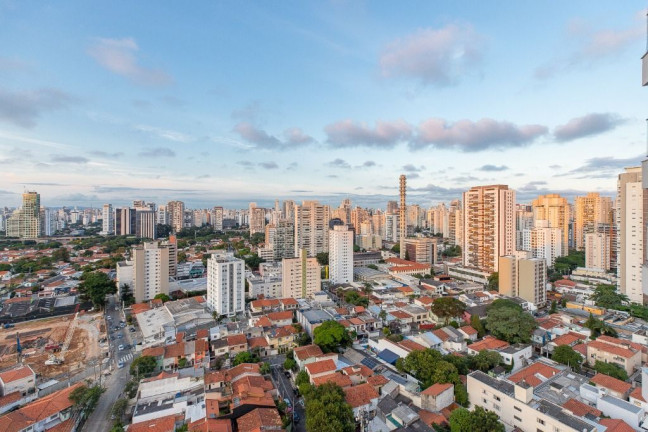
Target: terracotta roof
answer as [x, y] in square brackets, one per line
[210, 425]
[16, 374]
[336, 378]
[18, 300]
[565, 282]
[620, 342]
[410, 345]
[237, 339]
[202, 333]
[616, 425]
[241, 369]
[153, 351]
[257, 342]
[360, 395]
[214, 377]
[260, 419]
[139, 308]
[430, 418]
[530, 374]
[612, 349]
[468, 330]
[10, 398]
[359, 309]
[568, 339]
[162, 375]
[400, 314]
[307, 351]
[162, 424]
[356, 321]
[174, 350]
[405, 289]
[426, 300]
[358, 369]
[580, 409]
[377, 380]
[256, 304]
[288, 301]
[264, 321]
[342, 311]
[280, 316]
[442, 335]
[319, 367]
[581, 348]
[613, 384]
[38, 410]
[636, 393]
[436, 389]
[488, 343]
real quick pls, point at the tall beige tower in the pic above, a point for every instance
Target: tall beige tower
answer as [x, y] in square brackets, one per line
[402, 215]
[489, 226]
[176, 209]
[630, 244]
[311, 228]
[555, 210]
[25, 223]
[590, 211]
[150, 270]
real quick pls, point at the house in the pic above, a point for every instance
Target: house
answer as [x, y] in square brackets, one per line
[615, 387]
[260, 420]
[517, 355]
[306, 354]
[362, 398]
[21, 379]
[571, 339]
[437, 397]
[320, 368]
[453, 339]
[468, 333]
[162, 424]
[236, 343]
[624, 354]
[534, 374]
[487, 343]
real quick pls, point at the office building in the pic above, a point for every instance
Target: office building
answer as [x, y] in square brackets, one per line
[311, 228]
[301, 276]
[145, 226]
[150, 270]
[226, 284]
[590, 211]
[340, 255]
[421, 250]
[489, 226]
[125, 221]
[557, 212]
[523, 277]
[392, 229]
[543, 242]
[597, 250]
[25, 222]
[107, 220]
[630, 239]
[176, 210]
[217, 218]
[280, 239]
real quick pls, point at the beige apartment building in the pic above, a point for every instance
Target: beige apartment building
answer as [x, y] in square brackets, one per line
[516, 407]
[589, 212]
[622, 353]
[421, 250]
[489, 226]
[257, 219]
[630, 243]
[311, 228]
[556, 211]
[523, 277]
[597, 251]
[26, 223]
[301, 277]
[175, 210]
[150, 270]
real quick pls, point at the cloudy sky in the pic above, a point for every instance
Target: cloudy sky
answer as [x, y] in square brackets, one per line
[220, 103]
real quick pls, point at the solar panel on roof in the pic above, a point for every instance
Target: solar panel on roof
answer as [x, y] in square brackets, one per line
[369, 362]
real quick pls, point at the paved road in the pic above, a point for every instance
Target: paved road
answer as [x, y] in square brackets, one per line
[285, 387]
[114, 384]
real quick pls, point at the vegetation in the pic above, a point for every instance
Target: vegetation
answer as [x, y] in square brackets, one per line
[85, 398]
[327, 410]
[289, 364]
[330, 336]
[568, 356]
[565, 265]
[322, 258]
[598, 327]
[396, 248]
[448, 307]
[479, 420]
[611, 369]
[354, 298]
[486, 360]
[507, 321]
[253, 261]
[477, 324]
[554, 307]
[452, 251]
[264, 368]
[119, 408]
[245, 357]
[493, 281]
[165, 298]
[95, 286]
[143, 366]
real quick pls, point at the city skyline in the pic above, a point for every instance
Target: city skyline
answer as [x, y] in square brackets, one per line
[316, 101]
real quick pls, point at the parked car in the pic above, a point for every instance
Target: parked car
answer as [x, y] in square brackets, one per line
[132, 330]
[287, 402]
[121, 348]
[120, 364]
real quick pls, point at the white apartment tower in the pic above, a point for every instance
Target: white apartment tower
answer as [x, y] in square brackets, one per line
[150, 271]
[597, 251]
[630, 243]
[489, 226]
[108, 220]
[340, 254]
[556, 211]
[543, 242]
[311, 228]
[226, 284]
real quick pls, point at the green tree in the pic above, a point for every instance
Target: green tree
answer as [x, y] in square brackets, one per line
[119, 408]
[568, 356]
[165, 298]
[143, 366]
[607, 296]
[322, 258]
[253, 261]
[289, 364]
[182, 363]
[510, 324]
[244, 357]
[96, 286]
[448, 307]
[354, 298]
[493, 281]
[396, 248]
[554, 307]
[264, 368]
[429, 367]
[486, 360]
[330, 336]
[85, 398]
[302, 378]
[479, 420]
[611, 369]
[61, 254]
[327, 410]
[478, 325]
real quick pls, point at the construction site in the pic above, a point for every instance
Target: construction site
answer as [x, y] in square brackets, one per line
[55, 348]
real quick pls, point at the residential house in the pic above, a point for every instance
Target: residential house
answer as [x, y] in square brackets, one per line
[437, 397]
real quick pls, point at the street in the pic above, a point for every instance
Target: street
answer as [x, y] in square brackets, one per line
[285, 388]
[114, 384]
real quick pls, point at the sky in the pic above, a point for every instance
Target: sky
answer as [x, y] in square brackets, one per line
[222, 103]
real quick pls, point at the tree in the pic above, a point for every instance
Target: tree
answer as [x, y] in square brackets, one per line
[289, 364]
[163, 231]
[143, 366]
[61, 254]
[243, 357]
[254, 261]
[479, 420]
[396, 248]
[610, 369]
[382, 315]
[119, 408]
[182, 363]
[429, 367]
[302, 378]
[85, 398]
[264, 368]
[327, 410]
[354, 298]
[510, 324]
[607, 296]
[448, 307]
[373, 266]
[303, 339]
[486, 360]
[493, 281]
[554, 307]
[568, 356]
[165, 298]
[478, 325]
[322, 258]
[330, 336]
[96, 286]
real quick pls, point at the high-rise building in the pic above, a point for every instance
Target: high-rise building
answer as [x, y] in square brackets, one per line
[630, 240]
[392, 207]
[217, 218]
[557, 212]
[301, 276]
[26, 222]
[455, 223]
[48, 221]
[543, 242]
[392, 231]
[288, 210]
[145, 226]
[172, 244]
[402, 214]
[226, 284]
[421, 250]
[489, 226]
[125, 221]
[340, 255]
[590, 211]
[176, 210]
[162, 216]
[280, 238]
[108, 220]
[257, 219]
[597, 250]
[523, 221]
[150, 270]
[311, 228]
[523, 277]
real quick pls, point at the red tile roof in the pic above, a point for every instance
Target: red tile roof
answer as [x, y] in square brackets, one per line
[616, 425]
[530, 374]
[430, 418]
[400, 314]
[377, 380]
[580, 409]
[410, 345]
[568, 339]
[360, 395]
[612, 349]
[257, 342]
[336, 378]
[237, 339]
[260, 419]
[280, 316]
[636, 393]
[16, 373]
[162, 375]
[436, 389]
[162, 424]
[602, 380]
[468, 330]
[306, 352]
[488, 343]
[319, 367]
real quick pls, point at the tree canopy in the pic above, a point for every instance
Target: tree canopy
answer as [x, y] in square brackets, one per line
[322, 258]
[610, 369]
[568, 356]
[96, 286]
[493, 281]
[510, 324]
[486, 360]
[354, 298]
[448, 307]
[164, 297]
[479, 420]
[245, 357]
[143, 366]
[327, 410]
[330, 336]
[607, 296]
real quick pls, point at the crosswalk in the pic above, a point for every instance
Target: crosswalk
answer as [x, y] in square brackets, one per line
[126, 358]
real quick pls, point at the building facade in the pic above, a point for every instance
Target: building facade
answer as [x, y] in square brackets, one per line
[311, 228]
[340, 254]
[150, 270]
[630, 240]
[226, 284]
[301, 276]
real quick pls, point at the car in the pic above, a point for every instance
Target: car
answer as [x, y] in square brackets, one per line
[287, 374]
[296, 417]
[122, 324]
[121, 348]
[119, 336]
[287, 402]
[132, 330]
[120, 364]
[109, 318]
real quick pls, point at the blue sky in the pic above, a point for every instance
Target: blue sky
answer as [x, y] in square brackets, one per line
[221, 103]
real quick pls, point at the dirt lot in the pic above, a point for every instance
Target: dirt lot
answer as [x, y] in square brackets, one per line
[36, 336]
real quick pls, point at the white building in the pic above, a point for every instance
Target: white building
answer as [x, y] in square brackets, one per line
[597, 250]
[226, 284]
[108, 220]
[340, 254]
[543, 241]
[630, 244]
[150, 270]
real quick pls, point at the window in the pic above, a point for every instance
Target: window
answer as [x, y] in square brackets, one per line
[517, 418]
[541, 421]
[517, 408]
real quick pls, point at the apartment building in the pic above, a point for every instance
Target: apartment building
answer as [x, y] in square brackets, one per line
[341, 254]
[150, 270]
[597, 251]
[590, 211]
[556, 211]
[622, 353]
[523, 277]
[26, 222]
[311, 228]
[421, 250]
[543, 242]
[630, 239]
[176, 210]
[301, 277]
[226, 284]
